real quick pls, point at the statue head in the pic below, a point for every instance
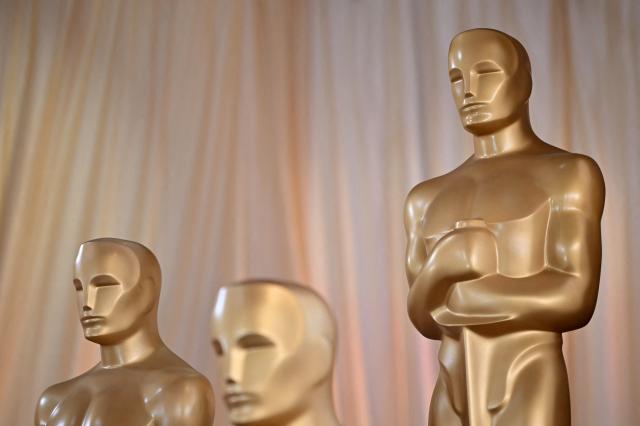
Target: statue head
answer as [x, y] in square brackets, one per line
[117, 284]
[276, 345]
[490, 77]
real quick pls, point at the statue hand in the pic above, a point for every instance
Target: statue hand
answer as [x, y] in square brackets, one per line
[468, 304]
[465, 253]
[467, 297]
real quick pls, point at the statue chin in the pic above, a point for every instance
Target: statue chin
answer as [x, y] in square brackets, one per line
[97, 335]
[246, 415]
[484, 123]
[474, 121]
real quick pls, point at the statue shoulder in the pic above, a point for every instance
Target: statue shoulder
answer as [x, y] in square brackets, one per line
[586, 168]
[59, 391]
[49, 400]
[186, 393]
[421, 195]
[581, 175]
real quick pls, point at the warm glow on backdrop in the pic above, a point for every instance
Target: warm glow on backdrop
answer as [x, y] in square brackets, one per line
[279, 138]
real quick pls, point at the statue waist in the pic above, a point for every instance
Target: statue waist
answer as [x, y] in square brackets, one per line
[480, 369]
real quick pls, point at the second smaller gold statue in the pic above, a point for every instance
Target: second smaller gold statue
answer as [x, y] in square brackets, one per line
[276, 345]
[138, 381]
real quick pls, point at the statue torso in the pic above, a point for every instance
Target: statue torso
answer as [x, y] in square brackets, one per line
[129, 395]
[513, 196]
[105, 397]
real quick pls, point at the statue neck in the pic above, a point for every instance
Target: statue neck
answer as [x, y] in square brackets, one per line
[320, 411]
[514, 137]
[138, 346]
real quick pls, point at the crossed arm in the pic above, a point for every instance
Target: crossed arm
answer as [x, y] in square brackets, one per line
[559, 297]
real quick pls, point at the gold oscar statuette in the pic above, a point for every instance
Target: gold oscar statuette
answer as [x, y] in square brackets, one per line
[275, 343]
[138, 381]
[503, 252]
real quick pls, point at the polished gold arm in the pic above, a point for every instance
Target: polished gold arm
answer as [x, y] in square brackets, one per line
[416, 251]
[461, 255]
[550, 300]
[559, 298]
[416, 262]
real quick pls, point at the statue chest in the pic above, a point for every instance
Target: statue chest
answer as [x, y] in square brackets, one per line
[105, 403]
[497, 196]
[512, 205]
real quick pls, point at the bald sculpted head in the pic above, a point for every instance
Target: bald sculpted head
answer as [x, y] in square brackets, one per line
[117, 283]
[276, 345]
[490, 77]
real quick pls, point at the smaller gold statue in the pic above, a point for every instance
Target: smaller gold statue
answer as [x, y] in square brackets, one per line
[276, 345]
[138, 381]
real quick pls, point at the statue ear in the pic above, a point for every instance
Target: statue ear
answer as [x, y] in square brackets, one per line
[147, 289]
[323, 354]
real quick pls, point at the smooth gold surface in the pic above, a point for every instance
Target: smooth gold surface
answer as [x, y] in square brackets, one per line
[503, 252]
[276, 345]
[139, 381]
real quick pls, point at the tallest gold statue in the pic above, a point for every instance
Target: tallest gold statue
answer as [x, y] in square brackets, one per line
[503, 252]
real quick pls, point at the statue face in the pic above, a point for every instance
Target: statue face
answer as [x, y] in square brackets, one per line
[489, 84]
[111, 300]
[269, 361]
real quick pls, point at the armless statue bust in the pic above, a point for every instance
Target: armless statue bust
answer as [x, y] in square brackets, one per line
[138, 381]
[276, 345]
[504, 251]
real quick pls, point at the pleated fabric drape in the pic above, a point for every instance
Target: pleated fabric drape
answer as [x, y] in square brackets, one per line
[279, 138]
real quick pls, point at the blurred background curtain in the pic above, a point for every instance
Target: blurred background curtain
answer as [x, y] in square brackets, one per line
[279, 138]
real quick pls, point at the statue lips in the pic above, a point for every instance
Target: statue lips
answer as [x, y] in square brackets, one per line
[472, 106]
[239, 399]
[89, 320]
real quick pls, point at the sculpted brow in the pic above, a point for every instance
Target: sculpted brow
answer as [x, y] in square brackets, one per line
[104, 280]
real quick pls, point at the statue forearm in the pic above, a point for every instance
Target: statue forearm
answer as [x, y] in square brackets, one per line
[433, 281]
[551, 300]
[422, 296]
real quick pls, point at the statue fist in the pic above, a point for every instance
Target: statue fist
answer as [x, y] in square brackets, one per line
[465, 253]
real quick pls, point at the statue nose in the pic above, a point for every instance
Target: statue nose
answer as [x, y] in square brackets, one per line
[86, 308]
[470, 85]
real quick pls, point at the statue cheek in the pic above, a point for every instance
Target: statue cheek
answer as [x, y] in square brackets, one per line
[106, 299]
[513, 93]
[490, 86]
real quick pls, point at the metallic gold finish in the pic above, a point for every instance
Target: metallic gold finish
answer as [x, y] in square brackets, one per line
[138, 381]
[503, 252]
[276, 345]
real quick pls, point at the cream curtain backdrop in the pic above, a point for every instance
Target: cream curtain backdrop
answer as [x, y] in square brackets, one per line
[279, 138]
